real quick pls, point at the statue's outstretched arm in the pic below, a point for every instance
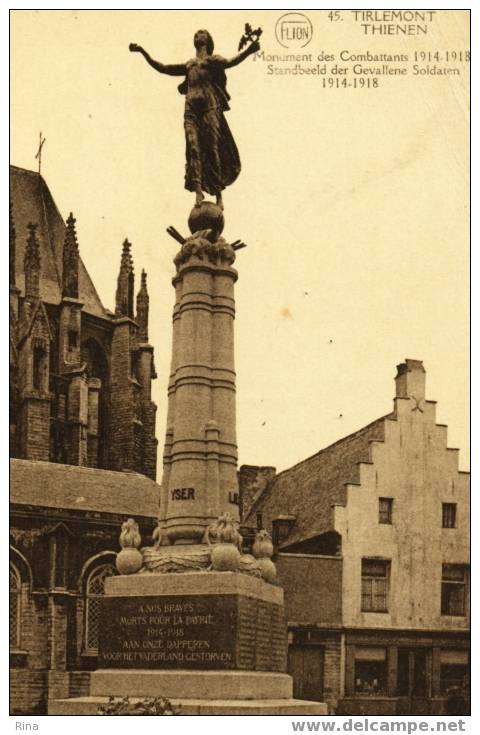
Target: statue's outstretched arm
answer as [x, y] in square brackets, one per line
[252, 49]
[174, 70]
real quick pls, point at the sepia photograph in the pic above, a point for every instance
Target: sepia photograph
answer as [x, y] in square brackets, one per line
[239, 364]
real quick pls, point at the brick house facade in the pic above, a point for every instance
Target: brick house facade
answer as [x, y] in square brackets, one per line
[372, 539]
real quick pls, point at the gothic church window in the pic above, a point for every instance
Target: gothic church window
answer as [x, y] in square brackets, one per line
[38, 367]
[97, 367]
[15, 606]
[94, 591]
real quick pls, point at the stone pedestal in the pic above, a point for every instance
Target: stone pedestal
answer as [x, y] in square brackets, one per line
[199, 621]
[212, 642]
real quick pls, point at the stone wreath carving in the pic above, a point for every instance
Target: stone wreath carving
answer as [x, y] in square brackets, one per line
[200, 245]
[167, 559]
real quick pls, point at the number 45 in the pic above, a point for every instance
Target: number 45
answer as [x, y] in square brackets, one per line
[334, 15]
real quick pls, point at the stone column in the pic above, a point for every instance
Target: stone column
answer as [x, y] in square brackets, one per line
[436, 663]
[200, 454]
[392, 670]
[200, 447]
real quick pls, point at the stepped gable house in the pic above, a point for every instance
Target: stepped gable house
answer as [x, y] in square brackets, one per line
[372, 539]
[82, 442]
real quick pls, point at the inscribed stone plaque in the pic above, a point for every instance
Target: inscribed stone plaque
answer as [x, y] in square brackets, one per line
[194, 632]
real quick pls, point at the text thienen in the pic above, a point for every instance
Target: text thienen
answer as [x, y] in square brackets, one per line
[390, 29]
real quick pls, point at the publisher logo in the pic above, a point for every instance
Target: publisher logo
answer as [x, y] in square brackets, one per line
[293, 30]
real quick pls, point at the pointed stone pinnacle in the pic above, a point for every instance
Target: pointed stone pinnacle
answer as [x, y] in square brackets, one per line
[70, 260]
[32, 263]
[71, 234]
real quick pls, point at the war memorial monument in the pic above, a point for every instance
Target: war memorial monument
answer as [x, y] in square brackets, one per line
[194, 618]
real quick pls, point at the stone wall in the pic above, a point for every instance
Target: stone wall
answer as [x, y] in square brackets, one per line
[50, 659]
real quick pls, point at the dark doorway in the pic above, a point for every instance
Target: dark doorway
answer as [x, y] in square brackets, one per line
[413, 681]
[305, 665]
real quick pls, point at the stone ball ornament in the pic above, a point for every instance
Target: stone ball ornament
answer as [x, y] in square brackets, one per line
[129, 561]
[267, 569]
[225, 558]
[207, 216]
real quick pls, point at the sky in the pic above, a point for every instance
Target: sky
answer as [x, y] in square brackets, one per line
[353, 203]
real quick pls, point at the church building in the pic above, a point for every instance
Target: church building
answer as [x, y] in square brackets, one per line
[82, 442]
[80, 375]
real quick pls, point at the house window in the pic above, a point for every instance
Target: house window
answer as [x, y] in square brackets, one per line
[375, 577]
[370, 670]
[94, 592]
[15, 606]
[454, 589]
[454, 670]
[449, 515]
[259, 522]
[385, 508]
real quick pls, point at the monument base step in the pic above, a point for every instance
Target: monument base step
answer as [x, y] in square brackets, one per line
[183, 684]
[90, 705]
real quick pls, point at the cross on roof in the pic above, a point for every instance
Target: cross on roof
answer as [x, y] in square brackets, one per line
[39, 153]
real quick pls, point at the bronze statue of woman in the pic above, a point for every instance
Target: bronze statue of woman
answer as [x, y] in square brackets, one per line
[212, 156]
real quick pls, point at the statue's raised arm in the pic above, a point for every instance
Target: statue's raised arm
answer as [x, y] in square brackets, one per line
[174, 70]
[252, 49]
[213, 162]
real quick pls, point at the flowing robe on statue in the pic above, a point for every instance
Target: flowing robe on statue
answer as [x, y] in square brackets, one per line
[212, 159]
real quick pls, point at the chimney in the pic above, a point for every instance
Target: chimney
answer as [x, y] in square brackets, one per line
[410, 380]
